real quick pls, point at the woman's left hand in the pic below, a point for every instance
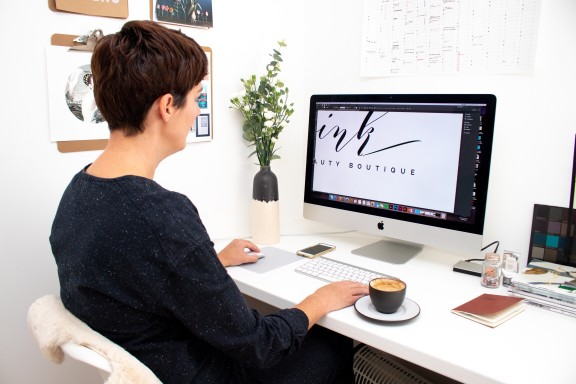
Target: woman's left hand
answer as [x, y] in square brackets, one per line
[238, 252]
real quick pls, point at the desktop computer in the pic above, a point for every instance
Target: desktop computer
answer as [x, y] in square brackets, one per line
[411, 168]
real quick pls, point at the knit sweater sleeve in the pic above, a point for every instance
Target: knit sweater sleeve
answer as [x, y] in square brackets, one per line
[201, 295]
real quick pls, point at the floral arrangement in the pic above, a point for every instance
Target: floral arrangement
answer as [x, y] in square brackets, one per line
[264, 106]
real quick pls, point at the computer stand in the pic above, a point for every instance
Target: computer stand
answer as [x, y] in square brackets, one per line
[389, 251]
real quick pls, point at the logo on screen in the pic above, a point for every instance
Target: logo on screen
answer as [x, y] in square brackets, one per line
[362, 135]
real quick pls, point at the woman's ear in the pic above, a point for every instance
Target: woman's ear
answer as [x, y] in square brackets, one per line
[166, 106]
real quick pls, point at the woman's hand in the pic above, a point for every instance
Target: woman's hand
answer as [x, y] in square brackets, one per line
[235, 253]
[330, 298]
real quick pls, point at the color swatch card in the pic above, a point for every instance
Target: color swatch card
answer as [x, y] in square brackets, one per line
[550, 230]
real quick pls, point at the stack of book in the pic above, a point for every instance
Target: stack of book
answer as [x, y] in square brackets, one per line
[547, 285]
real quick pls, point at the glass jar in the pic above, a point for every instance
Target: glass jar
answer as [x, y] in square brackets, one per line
[491, 271]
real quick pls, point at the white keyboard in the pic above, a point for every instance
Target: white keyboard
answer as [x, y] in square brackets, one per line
[331, 270]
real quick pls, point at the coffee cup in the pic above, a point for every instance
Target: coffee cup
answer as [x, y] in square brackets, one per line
[387, 293]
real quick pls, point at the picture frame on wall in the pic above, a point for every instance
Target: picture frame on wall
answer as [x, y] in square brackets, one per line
[190, 13]
[202, 126]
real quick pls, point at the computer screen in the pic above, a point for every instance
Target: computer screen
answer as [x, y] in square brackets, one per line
[413, 169]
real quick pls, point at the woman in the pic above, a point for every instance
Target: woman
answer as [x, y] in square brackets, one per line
[134, 259]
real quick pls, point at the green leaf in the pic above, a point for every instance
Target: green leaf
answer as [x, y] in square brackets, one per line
[262, 94]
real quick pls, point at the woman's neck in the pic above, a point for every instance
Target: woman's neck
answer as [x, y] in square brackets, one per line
[132, 155]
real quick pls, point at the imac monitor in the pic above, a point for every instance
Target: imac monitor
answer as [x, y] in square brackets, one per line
[413, 169]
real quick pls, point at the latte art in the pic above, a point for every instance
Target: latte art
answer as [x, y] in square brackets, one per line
[388, 284]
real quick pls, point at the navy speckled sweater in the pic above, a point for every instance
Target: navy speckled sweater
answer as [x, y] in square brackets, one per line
[136, 264]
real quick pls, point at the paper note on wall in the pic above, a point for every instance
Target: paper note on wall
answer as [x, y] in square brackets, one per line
[456, 37]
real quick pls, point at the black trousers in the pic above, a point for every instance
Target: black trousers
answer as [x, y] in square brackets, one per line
[326, 357]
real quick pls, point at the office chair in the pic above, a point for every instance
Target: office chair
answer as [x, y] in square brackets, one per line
[59, 333]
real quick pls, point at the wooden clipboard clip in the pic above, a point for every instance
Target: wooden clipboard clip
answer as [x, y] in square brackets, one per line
[87, 42]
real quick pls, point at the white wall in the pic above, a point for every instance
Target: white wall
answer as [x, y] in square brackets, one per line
[535, 127]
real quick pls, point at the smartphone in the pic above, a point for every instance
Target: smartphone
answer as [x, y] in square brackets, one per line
[316, 250]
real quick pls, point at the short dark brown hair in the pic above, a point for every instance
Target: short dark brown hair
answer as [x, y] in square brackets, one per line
[134, 67]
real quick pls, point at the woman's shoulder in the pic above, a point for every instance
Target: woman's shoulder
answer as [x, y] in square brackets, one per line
[151, 196]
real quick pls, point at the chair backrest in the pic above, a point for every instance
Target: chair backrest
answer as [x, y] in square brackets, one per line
[59, 332]
[89, 356]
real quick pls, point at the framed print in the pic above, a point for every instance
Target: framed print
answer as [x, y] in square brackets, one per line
[191, 13]
[202, 125]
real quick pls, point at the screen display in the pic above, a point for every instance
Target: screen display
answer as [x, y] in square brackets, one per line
[416, 158]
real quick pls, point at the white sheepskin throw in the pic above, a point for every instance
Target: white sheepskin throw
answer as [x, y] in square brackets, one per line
[53, 325]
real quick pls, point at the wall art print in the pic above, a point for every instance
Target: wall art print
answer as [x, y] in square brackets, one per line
[73, 113]
[191, 13]
[72, 109]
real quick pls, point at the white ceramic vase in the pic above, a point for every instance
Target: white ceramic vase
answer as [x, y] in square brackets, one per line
[265, 207]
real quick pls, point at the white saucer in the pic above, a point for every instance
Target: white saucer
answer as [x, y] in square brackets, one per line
[408, 310]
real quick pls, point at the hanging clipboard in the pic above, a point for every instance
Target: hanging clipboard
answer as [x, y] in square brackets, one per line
[64, 146]
[201, 131]
[116, 9]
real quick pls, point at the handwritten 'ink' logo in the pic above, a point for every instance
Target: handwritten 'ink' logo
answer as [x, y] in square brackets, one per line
[362, 135]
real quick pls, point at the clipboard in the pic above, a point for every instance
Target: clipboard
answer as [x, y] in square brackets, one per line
[209, 113]
[113, 9]
[65, 40]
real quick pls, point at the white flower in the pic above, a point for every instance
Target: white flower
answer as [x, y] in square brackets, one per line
[268, 123]
[246, 108]
[268, 115]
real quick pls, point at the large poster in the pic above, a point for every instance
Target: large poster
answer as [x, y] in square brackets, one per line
[402, 37]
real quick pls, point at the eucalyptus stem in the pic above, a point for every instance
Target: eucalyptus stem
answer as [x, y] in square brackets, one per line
[264, 107]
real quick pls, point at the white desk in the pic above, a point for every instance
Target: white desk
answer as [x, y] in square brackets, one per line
[536, 346]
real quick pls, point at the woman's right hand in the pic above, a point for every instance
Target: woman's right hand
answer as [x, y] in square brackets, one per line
[331, 297]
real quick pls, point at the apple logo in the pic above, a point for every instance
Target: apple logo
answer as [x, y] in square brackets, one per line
[380, 225]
